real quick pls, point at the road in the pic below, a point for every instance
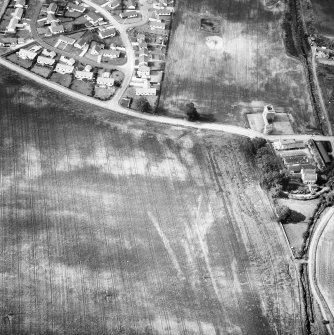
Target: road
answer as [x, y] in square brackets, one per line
[325, 310]
[316, 82]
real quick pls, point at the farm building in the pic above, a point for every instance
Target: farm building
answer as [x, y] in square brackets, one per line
[56, 28]
[63, 68]
[292, 160]
[45, 60]
[84, 75]
[27, 54]
[288, 144]
[146, 91]
[75, 8]
[48, 53]
[80, 43]
[111, 53]
[93, 18]
[143, 71]
[19, 3]
[128, 15]
[18, 13]
[11, 28]
[309, 176]
[323, 152]
[104, 81]
[66, 40]
[52, 8]
[157, 25]
[131, 4]
[107, 33]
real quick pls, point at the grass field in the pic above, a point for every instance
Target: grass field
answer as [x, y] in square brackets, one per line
[119, 227]
[83, 87]
[324, 11]
[236, 71]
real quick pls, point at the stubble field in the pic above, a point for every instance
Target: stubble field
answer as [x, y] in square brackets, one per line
[234, 71]
[126, 228]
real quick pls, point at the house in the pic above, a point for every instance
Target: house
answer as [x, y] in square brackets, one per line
[146, 91]
[52, 8]
[84, 75]
[51, 18]
[96, 48]
[75, 8]
[27, 54]
[11, 28]
[56, 28]
[80, 43]
[67, 61]
[163, 12]
[93, 18]
[283, 144]
[128, 15]
[111, 53]
[157, 25]
[45, 61]
[18, 13]
[88, 68]
[143, 71]
[107, 33]
[48, 53]
[268, 114]
[66, 40]
[63, 68]
[131, 4]
[309, 176]
[143, 52]
[143, 61]
[114, 4]
[141, 38]
[105, 81]
[19, 3]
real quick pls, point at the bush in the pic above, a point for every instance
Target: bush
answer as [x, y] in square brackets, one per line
[284, 213]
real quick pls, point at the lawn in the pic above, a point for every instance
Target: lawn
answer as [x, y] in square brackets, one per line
[103, 93]
[110, 226]
[62, 79]
[25, 63]
[42, 71]
[226, 73]
[324, 13]
[83, 87]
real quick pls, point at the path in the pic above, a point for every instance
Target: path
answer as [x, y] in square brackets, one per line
[325, 310]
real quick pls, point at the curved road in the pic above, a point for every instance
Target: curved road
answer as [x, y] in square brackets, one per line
[325, 310]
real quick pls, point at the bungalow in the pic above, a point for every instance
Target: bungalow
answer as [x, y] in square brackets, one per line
[66, 40]
[111, 53]
[45, 61]
[309, 176]
[105, 81]
[19, 3]
[80, 43]
[128, 15]
[52, 8]
[56, 28]
[84, 75]
[93, 18]
[131, 4]
[62, 68]
[11, 28]
[18, 13]
[75, 8]
[146, 91]
[27, 54]
[143, 71]
[157, 25]
[107, 33]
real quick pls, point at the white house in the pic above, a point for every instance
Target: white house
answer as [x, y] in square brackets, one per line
[111, 53]
[19, 3]
[63, 68]
[27, 54]
[105, 81]
[114, 4]
[84, 75]
[309, 176]
[143, 71]
[45, 60]
[66, 40]
[67, 61]
[48, 53]
[163, 12]
[146, 91]
[11, 28]
[131, 4]
[157, 25]
[107, 33]
[128, 15]
[93, 18]
[56, 28]
[80, 43]
[75, 8]
[18, 13]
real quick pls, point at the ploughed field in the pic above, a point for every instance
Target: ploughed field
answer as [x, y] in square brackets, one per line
[233, 66]
[123, 228]
[325, 266]
[324, 21]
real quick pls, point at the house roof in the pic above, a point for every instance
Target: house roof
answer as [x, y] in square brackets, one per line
[67, 68]
[105, 81]
[160, 25]
[67, 40]
[56, 28]
[93, 17]
[52, 8]
[75, 7]
[20, 3]
[45, 60]
[51, 18]
[84, 74]
[115, 53]
[128, 14]
[144, 69]
[12, 24]
[27, 53]
[107, 33]
[18, 13]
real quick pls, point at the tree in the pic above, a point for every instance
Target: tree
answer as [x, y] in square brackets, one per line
[283, 213]
[191, 112]
[258, 143]
[143, 105]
